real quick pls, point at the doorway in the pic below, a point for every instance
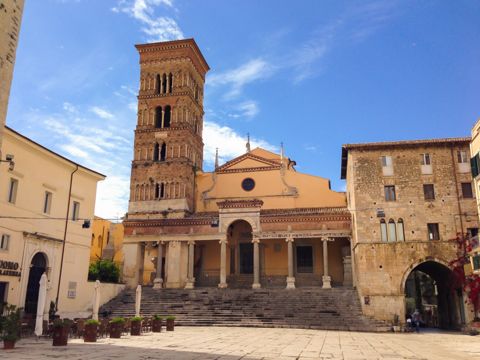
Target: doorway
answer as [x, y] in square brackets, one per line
[37, 268]
[304, 259]
[3, 295]
[246, 258]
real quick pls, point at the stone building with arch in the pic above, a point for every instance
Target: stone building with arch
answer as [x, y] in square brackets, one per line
[409, 200]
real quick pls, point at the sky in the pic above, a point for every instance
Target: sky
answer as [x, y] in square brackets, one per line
[313, 74]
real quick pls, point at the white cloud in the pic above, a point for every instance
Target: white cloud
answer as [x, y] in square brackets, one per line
[247, 109]
[237, 78]
[104, 114]
[230, 144]
[158, 28]
[69, 107]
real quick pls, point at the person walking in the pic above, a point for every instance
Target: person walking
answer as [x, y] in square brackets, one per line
[416, 318]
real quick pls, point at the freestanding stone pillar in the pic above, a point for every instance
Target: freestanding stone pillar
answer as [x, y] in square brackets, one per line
[256, 264]
[290, 277]
[325, 278]
[223, 264]
[158, 281]
[190, 279]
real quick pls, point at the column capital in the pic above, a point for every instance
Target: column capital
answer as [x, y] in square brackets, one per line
[192, 242]
[160, 242]
[290, 238]
[222, 241]
[324, 238]
[255, 240]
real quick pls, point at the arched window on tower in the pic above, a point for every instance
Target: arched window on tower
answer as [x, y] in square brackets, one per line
[166, 121]
[157, 191]
[400, 230]
[158, 84]
[170, 83]
[156, 151]
[162, 190]
[392, 232]
[163, 152]
[383, 231]
[164, 83]
[158, 117]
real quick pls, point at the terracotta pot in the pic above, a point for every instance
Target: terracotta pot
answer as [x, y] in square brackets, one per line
[136, 328]
[8, 344]
[90, 333]
[60, 335]
[157, 325]
[170, 324]
[115, 330]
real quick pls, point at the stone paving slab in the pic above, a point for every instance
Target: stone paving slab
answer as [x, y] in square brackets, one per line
[205, 343]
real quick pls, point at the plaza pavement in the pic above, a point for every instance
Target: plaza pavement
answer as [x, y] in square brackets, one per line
[257, 343]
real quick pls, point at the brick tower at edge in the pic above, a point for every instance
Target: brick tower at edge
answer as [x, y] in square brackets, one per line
[168, 147]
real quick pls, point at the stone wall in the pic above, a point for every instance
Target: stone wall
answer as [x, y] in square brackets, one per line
[381, 267]
[10, 19]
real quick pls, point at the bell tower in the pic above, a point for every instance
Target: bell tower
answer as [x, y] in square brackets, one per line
[168, 147]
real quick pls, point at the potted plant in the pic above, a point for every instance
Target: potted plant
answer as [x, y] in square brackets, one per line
[116, 327]
[157, 323]
[90, 331]
[51, 311]
[136, 325]
[10, 326]
[170, 323]
[61, 329]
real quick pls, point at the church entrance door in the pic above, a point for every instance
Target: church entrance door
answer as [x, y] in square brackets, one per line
[304, 259]
[246, 258]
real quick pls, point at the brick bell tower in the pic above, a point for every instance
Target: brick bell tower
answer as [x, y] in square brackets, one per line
[168, 146]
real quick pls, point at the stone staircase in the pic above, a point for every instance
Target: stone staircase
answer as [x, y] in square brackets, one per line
[306, 308]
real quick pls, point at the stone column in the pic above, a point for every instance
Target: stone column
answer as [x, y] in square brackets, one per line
[190, 279]
[256, 264]
[158, 281]
[290, 277]
[223, 263]
[325, 278]
[347, 271]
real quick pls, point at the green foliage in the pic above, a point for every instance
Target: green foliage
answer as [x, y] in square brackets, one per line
[104, 270]
[57, 323]
[10, 323]
[51, 311]
[92, 322]
[136, 318]
[157, 317]
[117, 320]
[170, 317]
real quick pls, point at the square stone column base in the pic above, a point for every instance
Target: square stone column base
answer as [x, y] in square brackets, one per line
[190, 284]
[158, 283]
[326, 282]
[256, 286]
[223, 285]
[290, 282]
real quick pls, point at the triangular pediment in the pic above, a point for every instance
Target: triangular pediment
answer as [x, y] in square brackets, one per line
[252, 160]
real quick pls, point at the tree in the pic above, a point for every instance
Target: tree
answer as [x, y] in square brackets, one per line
[104, 270]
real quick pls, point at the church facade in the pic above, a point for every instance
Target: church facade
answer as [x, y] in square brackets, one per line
[253, 221]
[256, 222]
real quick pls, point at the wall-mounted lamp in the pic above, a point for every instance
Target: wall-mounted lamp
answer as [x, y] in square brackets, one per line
[9, 160]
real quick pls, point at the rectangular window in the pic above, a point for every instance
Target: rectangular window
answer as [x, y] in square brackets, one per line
[429, 191]
[386, 161]
[426, 159]
[433, 233]
[4, 242]
[390, 193]
[476, 261]
[467, 192]
[475, 165]
[12, 191]
[47, 204]
[462, 157]
[75, 210]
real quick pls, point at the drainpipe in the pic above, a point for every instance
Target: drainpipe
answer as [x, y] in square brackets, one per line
[65, 237]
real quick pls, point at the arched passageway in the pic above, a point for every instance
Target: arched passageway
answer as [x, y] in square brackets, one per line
[429, 288]
[37, 267]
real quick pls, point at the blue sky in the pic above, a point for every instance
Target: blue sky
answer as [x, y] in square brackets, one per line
[311, 74]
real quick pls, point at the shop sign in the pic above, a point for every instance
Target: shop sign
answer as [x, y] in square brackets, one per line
[9, 268]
